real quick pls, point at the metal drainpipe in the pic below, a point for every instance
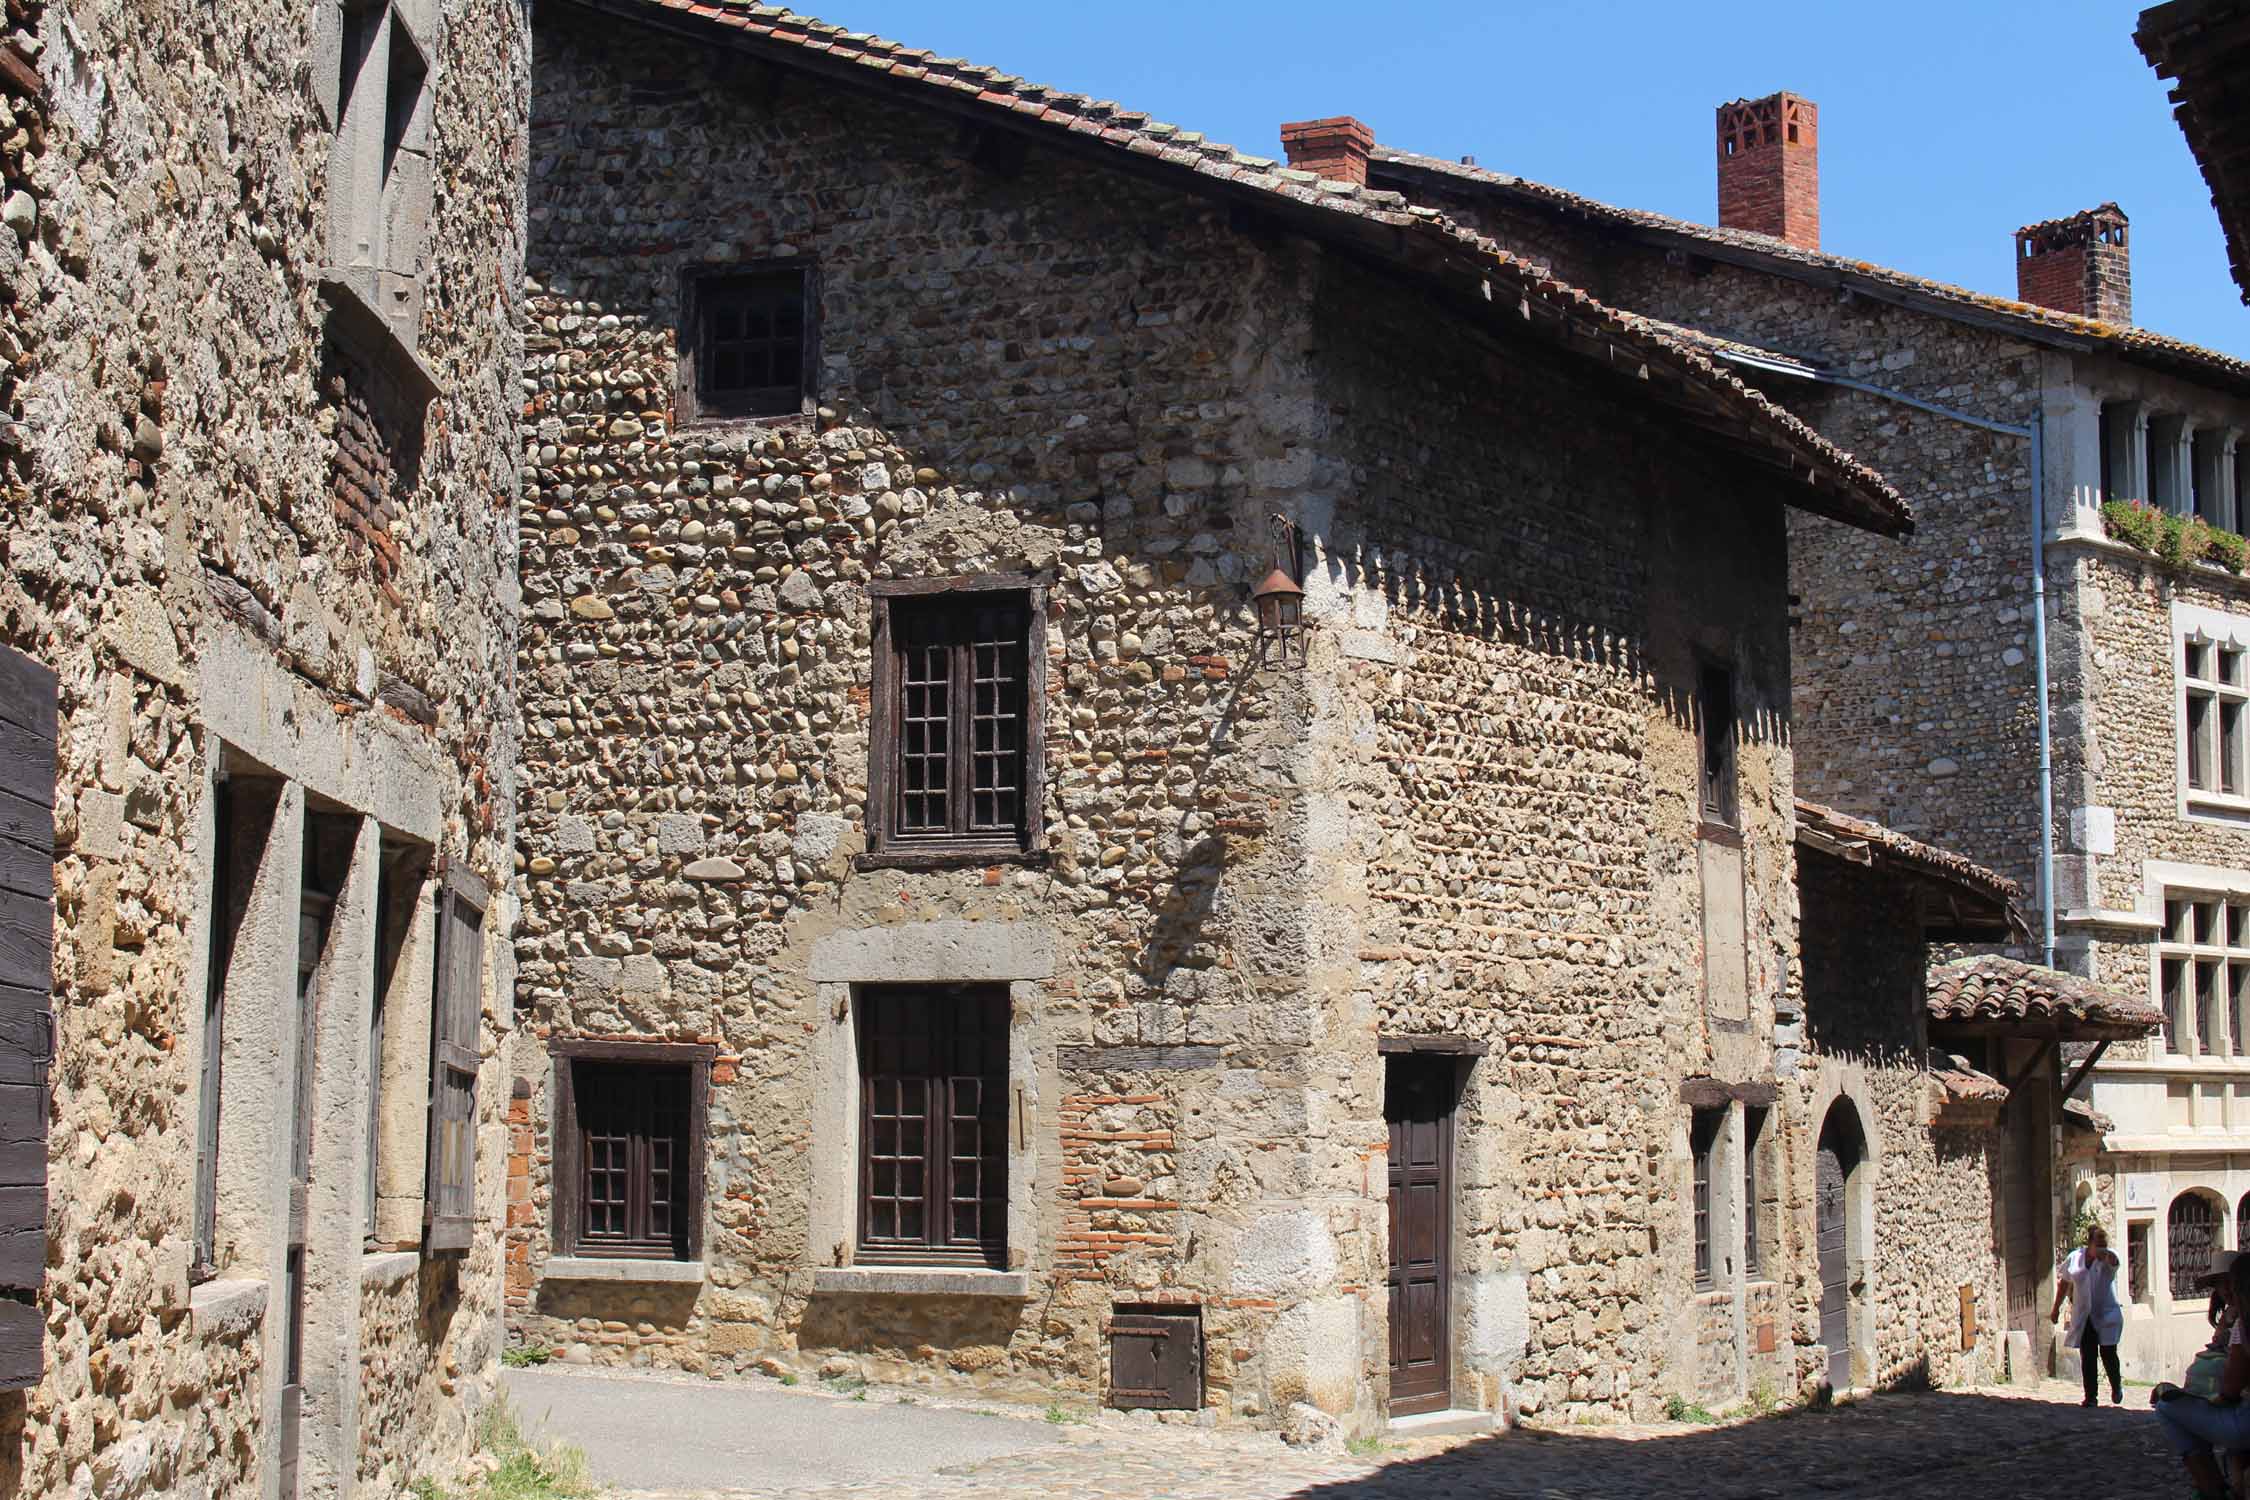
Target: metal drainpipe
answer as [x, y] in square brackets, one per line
[2034, 432]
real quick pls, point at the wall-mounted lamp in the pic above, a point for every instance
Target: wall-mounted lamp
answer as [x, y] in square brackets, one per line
[1280, 602]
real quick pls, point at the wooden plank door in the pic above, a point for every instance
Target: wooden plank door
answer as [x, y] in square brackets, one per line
[1418, 1106]
[2025, 1211]
[1830, 1240]
[27, 923]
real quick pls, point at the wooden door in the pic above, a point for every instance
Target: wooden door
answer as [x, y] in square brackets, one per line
[1829, 1220]
[1418, 1106]
[2025, 1211]
[27, 1023]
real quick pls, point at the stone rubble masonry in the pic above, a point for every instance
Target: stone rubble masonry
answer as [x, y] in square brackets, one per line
[170, 453]
[1914, 679]
[1472, 816]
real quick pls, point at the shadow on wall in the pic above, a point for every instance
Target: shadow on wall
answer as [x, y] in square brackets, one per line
[1896, 1444]
[1489, 614]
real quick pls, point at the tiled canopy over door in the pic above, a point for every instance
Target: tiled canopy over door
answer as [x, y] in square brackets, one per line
[27, 876]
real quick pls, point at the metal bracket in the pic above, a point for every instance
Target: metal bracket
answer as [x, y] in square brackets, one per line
[50, 1036]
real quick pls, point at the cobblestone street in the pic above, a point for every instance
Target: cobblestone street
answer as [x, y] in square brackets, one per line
[1990, 1444]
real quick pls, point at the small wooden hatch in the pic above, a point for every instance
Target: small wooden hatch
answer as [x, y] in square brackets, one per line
[1156, 1358]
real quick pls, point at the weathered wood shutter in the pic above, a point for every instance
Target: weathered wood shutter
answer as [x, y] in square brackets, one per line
[449, 1200]
[27, 891]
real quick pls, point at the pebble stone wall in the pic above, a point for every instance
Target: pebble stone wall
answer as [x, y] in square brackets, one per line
[166, 469]
[1248, 873]
[1082, 405]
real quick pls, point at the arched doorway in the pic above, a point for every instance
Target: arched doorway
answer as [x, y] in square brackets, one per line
[1835, 1234]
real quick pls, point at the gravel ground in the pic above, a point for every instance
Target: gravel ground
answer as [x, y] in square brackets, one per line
[669, 1437]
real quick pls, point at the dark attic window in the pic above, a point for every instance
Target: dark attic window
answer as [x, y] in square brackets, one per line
[748, 342]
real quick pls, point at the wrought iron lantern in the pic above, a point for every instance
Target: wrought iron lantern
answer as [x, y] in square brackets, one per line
[1280, 602]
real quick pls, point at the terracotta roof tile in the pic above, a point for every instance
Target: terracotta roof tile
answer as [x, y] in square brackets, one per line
[2205, 46]
[1992, 988]
[2031, 320]
[1927, 859]
[1830, 481]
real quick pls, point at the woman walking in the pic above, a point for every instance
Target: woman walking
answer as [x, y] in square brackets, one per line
[2089, 1279]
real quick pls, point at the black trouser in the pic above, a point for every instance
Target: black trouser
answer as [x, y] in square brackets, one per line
[2088, 1342]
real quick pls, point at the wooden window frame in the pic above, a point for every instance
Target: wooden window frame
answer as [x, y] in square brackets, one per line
[569, 1165]
[1705, 1127]
[991, 1249]
[694, 403]
[1718, 776]
[885, 846]
[1754, 1121]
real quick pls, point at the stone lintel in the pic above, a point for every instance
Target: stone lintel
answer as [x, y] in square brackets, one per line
[921, 1281]
[936, 953]
[602, 1268]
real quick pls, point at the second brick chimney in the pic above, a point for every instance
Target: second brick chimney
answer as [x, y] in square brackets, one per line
[1769, 168]
[1335, 148]
[2082, 265]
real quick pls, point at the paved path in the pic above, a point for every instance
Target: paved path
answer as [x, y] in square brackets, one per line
[675, 1438]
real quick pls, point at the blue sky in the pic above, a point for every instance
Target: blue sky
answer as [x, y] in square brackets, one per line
[1943, 126]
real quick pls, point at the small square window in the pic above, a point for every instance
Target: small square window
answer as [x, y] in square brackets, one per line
[748, 345]
[629, 1150]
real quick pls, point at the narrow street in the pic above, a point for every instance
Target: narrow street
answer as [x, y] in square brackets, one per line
[667, 1437]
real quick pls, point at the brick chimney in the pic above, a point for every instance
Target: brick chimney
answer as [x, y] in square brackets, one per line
[1333, 148]
[1769, 168]
[2082, 264]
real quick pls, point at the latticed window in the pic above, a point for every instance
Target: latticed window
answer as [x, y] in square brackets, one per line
[2203, 974]
[747, 347]
[1753, 1252]
[1703, 1142]
[2216, 690]
[629, 1132]
[2192, 1227]
[934, 1125]
[2136, 1260]
[957, 721]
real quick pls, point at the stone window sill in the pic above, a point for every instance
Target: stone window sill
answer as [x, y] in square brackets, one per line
[352, 302]
[947, 859]
[389, 1268]
[222, 1309]
[922, 1281]
[2218, 807]
[645, 1272]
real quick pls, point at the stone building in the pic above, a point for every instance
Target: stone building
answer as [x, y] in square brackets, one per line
[1902, 1125]
[259, 462]
[968, 946]
[2089, 750]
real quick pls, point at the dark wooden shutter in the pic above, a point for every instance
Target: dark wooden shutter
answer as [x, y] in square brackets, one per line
[449, 1200]
[27, 921]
